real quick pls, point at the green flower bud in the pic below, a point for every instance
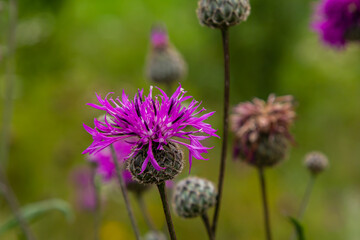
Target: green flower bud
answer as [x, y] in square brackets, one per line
[222, 13]
[193, 196]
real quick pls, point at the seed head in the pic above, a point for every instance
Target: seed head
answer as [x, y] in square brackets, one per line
[262, 129]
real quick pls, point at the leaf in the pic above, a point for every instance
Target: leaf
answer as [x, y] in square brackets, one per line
[299, 230]
[34, 211]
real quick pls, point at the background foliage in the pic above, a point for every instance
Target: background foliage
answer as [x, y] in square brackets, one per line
[68, 50]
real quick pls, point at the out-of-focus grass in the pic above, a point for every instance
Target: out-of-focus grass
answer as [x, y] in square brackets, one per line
[68, 50]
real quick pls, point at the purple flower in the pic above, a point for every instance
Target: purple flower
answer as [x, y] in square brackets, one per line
[105, 163]
[159, 37]
[148, 120]
[338, 21]
[84, 189]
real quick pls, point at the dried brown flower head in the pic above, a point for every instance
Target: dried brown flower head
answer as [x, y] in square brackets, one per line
[262, 129]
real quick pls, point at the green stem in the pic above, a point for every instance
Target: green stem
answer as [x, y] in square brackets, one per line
[265, 203]
[144, 211]
[5, 187]
[97, 210]
[305, 201]
[306, 198]
[206, 222]
[14, 206]
[163, 196]
[225, 39]
[125, 194]
[9, 85]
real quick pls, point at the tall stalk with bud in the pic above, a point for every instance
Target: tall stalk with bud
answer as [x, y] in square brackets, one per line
[222, 14]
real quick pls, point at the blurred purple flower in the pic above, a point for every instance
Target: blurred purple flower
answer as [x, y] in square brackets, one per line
[159, 38]
[84, 188]
[338, 21]
[169, 184]
[105, 164]
[146, 120]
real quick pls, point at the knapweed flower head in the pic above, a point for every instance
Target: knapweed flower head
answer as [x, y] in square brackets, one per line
[164, 63]
[316, 162]
[262, 129]
[338, 21]
[152, 124]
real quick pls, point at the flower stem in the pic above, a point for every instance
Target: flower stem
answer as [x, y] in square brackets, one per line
[265, 203]
[14, 206]
[144, 211]
[97, 210]
[206, 221]
[306, 198]
[5, 187]
[305, 201]
[9, 84]
[225, 39]
[125, 194]
[163, 196]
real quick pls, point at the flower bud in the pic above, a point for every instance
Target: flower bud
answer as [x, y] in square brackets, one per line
[155, 235]
[316, 162]
[193, 196]
[170, 158]
[164, 62]
[222, 13]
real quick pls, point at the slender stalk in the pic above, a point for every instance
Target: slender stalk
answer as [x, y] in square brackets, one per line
[144, 211]
[265, 203]
[125, 194]
[5, 187]
[163, 196]
[14, 206]
[206, 221]
[305, 201]
[225, 39]
[306, 198]
[97, 210]
[9, 84]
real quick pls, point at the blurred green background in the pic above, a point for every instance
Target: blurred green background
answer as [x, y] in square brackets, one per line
[68, 50]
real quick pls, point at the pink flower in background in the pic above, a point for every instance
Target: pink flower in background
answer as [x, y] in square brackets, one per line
[104, 161]
[84, 188]
[338, 21]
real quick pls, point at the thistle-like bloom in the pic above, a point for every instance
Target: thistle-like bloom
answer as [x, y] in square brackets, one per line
[338, 21]
[164, 63]
[261, 129]
[148, 121]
